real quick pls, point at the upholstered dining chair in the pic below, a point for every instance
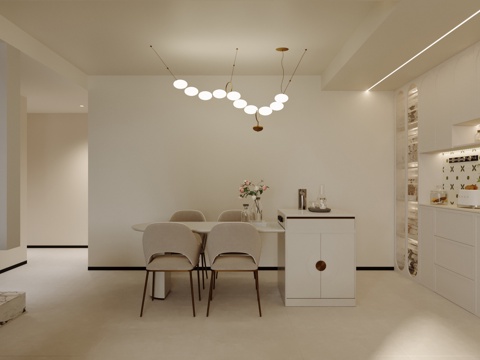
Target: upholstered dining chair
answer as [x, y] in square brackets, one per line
[194, 216]
[230, 215]
[170, 247]
[234, 246]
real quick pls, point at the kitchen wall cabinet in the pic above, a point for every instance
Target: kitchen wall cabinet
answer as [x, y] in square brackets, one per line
[448, 99]
[465, 93]
[317, 258]
[426, 105]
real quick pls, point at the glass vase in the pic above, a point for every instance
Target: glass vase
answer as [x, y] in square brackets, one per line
[257, 211]
[245, 215]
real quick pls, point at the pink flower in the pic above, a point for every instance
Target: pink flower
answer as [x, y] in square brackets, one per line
[265, 187]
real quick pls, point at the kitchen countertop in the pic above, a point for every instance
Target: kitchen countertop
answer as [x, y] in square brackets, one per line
[452, 207]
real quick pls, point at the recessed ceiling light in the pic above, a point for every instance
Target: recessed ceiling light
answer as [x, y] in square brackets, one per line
[421, 52]
[82, 106]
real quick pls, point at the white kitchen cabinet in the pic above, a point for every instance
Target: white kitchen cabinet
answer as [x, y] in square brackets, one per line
[426, 226]
[450, 235]
[464, 87]
[449, 98]
[317, 258]
[427, 107]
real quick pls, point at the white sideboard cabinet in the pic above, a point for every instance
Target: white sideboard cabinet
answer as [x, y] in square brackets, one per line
[317, 258]
[453, 241]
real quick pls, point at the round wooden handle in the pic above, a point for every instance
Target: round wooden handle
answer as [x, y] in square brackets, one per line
[321, 265]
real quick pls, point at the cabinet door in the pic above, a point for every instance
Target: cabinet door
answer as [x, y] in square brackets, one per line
[302, 279]
[338, 279]
[427, 107]
[426, 228]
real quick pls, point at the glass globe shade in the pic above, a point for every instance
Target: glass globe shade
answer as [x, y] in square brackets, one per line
[191, 91]
[276, 106]
[233, 95]
[250, 109]
[265, 111]
[180, 84]
[240, 103]
[281, 98]
[219, 94]
[205, 95]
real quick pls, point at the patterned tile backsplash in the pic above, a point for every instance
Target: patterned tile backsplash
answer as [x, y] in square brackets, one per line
[459, 169]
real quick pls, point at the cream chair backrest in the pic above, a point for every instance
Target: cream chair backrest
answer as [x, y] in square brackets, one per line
[188, 215]
[230, 215]
[234, 237]
[167, 237]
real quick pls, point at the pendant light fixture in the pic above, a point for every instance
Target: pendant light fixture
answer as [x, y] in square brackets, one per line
[228, 92]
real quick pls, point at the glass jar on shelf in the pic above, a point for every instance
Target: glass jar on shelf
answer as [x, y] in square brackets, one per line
[438, 196]
[477, 136]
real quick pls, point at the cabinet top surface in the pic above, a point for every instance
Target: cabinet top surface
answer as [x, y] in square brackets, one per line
[335, 213]
[453, 208]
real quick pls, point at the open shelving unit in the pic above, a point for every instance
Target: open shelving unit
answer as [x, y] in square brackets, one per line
[406, 174]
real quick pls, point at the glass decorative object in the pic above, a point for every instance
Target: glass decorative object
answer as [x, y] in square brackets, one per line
[438, 196]
[257, 210]
[322, 199]
[477, 136]
[245, 215]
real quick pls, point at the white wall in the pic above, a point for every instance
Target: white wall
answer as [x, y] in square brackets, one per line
[152, 151]
[18, 255]
[57, 205]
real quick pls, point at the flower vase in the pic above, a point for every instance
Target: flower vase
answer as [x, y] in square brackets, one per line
[257, 210]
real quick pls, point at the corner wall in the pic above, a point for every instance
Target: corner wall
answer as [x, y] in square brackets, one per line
[57, 179]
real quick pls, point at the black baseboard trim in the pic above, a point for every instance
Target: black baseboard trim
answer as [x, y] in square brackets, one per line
[116, 268]
[262, 268]
[136, 268]
[13, 266]
[57, 246]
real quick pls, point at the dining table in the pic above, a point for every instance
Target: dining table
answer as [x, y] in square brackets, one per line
[163, 280]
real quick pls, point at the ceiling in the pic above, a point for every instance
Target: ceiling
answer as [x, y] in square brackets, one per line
[351, 43]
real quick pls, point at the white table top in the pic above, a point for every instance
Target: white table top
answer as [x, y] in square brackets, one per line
[204, 227]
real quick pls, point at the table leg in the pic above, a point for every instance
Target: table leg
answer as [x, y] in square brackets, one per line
[162, 285]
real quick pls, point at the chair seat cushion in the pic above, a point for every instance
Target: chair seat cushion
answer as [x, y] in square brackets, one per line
[170, 263]
[234, 262]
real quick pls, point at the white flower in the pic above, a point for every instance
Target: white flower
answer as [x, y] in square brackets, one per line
[256, 188]
[253, 197]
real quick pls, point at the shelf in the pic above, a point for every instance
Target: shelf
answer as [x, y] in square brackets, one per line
[454, 148]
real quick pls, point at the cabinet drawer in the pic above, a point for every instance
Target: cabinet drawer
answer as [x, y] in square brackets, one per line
[455, 288]
[455, 226]
[455, 256]
[328, 225]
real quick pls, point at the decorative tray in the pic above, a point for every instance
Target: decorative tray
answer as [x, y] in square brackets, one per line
[313, 209]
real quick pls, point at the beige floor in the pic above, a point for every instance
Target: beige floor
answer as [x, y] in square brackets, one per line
[73, 313]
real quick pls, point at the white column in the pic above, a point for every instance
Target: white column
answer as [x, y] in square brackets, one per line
[10, 147]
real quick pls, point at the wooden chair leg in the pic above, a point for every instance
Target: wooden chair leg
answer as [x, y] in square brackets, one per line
[153, 286]
[212, 277]
[144, 293]
[191, 291]
[255, 274]
[198, 283]
[202, 257]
